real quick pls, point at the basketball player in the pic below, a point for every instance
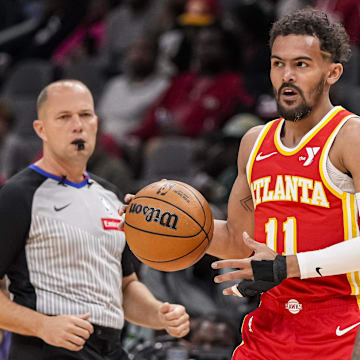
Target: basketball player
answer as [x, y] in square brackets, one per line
[295, 191]
[69, 268]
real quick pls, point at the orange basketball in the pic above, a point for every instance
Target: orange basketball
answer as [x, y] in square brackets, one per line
[169, 225]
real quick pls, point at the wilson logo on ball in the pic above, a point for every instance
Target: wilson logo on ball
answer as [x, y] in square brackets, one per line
[166, 219]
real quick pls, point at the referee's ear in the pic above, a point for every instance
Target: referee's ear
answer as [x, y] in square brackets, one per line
[39, 129]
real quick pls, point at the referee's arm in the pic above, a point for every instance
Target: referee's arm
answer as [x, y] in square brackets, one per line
[67, 331]
[142, 308]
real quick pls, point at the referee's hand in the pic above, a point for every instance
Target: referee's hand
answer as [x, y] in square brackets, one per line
[175, 319]
[66, 331]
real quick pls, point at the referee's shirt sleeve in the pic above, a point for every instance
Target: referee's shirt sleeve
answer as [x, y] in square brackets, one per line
[15, 218]
[127, 261]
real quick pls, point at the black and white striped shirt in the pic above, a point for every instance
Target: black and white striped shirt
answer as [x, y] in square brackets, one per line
[61, 248]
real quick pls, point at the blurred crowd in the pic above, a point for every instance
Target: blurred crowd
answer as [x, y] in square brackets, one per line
[176, 85]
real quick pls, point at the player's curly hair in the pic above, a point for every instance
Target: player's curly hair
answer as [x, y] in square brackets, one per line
[333, 37]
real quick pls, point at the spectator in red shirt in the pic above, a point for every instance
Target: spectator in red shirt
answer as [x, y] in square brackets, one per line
[201, 100]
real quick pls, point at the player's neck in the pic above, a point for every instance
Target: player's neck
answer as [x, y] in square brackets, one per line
[74, 172]
[293, 132]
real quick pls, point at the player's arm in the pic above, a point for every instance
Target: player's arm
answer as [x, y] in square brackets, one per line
[142, 308]
[337, 259]
[227, 241]
[342, 257]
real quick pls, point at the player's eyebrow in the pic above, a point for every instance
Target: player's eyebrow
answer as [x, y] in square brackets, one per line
[303, 57]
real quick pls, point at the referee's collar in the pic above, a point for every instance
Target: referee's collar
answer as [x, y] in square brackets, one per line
[62, 179]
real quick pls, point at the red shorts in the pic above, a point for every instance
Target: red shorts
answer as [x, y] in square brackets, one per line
[298, 330]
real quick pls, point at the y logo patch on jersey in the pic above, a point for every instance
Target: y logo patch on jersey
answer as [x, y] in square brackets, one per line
[311, 152]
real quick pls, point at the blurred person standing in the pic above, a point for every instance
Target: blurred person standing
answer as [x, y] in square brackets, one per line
[124, 24]
[69, 268]
[177, 43]
[128, 96]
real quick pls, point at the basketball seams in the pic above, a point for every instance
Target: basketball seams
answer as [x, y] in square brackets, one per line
[178, 258]
[176, 207]
[188, 188]
[166, 235]
[196, 197]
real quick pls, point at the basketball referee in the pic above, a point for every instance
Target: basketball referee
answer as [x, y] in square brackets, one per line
[69, 267]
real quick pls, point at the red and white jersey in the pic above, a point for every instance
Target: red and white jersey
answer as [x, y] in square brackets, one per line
[297, 206]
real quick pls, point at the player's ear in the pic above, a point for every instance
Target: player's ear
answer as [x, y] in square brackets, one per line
[334, 73]
[39, 129]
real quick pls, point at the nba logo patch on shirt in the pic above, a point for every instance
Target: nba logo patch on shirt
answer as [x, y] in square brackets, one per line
[293, 306]
[111, 224]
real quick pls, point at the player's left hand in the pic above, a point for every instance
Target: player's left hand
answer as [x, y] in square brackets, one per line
[245, 270]
[174, 319]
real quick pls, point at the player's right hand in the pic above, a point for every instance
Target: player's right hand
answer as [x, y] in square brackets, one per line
[122, 210]
[66, 331]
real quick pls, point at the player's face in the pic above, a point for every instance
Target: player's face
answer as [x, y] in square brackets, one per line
[67, 118]
[298, 69]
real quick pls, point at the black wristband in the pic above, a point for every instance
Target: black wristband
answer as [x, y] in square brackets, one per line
[280, 268]
[263, 270]
[267, 274]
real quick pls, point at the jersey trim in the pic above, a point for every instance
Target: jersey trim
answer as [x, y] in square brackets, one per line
[324, 155]
[284, 150]
[255, 150]
[60, 179]
[351, 230]
[241, 332]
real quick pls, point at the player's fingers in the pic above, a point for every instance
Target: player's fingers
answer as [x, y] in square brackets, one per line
[122, 210]
[232, 263]
[250, 242]
[128, 198]
[230, 291]
[238, 274]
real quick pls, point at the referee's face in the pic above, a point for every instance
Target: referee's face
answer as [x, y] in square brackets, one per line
[66, 119]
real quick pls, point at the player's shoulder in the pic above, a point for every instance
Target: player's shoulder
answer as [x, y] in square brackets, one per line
[250, 137]
[252, 134]
[351, 129]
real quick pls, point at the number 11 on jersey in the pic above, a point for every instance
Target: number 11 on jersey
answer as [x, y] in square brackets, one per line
[290, 235]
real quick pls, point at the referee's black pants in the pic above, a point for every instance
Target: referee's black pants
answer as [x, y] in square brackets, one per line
[103, 344]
